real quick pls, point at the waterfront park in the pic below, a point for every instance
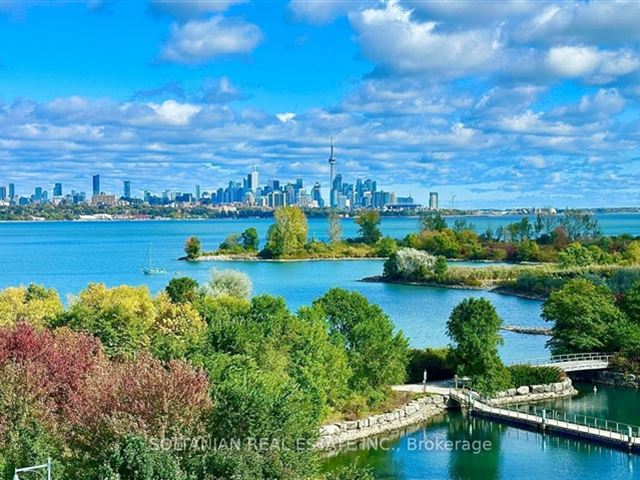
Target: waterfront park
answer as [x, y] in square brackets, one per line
[200, 373]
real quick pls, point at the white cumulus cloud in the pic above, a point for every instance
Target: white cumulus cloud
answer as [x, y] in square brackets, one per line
[198, 41]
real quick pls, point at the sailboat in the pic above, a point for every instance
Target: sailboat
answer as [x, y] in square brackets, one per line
[149, 269]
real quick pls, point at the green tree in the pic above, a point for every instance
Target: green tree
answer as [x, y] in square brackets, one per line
[335, 228]
[182, 290]
[440, 268]
[474, 327]
[193, 248]
[250, 239]
[585, 317]
[575, 255]
[369, 223]
[288, 234]
[386, 247]
[377, 355]
[432, 220]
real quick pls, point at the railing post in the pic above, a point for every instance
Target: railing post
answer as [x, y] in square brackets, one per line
[544, 418]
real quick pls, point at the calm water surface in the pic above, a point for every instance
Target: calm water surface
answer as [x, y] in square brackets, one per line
[514, 453]
[69, 255]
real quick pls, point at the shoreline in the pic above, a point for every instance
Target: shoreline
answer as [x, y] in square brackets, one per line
[488, 288]
[253, 258]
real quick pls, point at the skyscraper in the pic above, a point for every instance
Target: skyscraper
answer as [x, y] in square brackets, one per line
[12, 191]
[126, 189]
[96, 184]
[3, 193]
[197, 192]
[57, 190]
[253, 179]
[433, 200]
[333, 194]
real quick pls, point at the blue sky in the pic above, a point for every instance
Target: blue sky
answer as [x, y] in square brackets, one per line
[501, 103]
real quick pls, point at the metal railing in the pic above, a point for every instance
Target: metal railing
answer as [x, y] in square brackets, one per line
[572, 359]
[572, 422]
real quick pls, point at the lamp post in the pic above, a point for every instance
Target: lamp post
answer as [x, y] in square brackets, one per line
[44, 466]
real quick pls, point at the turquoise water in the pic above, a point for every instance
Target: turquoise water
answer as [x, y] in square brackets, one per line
[513, 453]
[68, 255]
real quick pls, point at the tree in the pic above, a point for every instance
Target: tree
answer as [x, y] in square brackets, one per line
[335, 228]
[229, 282]
[120, 317]
[386, 247]
[377, 356]
[432, 220]
[231, 243]
[288, 234]
[474, 327]
[178, 331]
[575, 255]
[369, 223]
[440, 268]
[250, 239]
[584, 317]
[182, 290]
[35, 305]
[193, 248]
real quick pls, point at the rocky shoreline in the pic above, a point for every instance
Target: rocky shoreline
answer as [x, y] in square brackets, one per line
[336, 434]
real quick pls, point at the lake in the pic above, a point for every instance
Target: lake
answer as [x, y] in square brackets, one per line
[69, 255]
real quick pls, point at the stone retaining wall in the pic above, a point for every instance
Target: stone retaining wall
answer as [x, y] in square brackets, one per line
[333, 435]
[607, 377]
[535, 393]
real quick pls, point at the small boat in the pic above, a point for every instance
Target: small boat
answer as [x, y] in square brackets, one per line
[149, 269]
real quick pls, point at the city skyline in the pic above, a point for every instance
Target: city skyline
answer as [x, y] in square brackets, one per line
[248, 192]
[530, 103]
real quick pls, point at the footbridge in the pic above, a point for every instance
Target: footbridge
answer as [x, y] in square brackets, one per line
[591, 429]
[574, 362]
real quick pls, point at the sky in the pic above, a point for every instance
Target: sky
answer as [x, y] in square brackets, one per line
[502, 104]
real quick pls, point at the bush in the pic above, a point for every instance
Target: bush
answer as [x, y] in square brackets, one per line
[437, 362]
[525, 375]
[410, 264]
[229, 282]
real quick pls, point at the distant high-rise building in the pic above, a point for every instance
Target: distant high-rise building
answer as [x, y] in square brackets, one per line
[197, 192]
[126, 189]
[333, 194]
[57, 190]
[37, 196]
[433, 200]
[12, 191]
[253, 179]
[96, 184]
[3, 193]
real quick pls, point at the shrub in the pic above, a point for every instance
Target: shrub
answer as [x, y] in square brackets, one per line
[229, 282]
[525, 375]
[410, 264]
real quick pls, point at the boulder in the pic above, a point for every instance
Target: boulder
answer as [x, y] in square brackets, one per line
[351, 425]
[329, 430]
[537, 388]
[364, 423]
[522, 391]
[511, 392]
